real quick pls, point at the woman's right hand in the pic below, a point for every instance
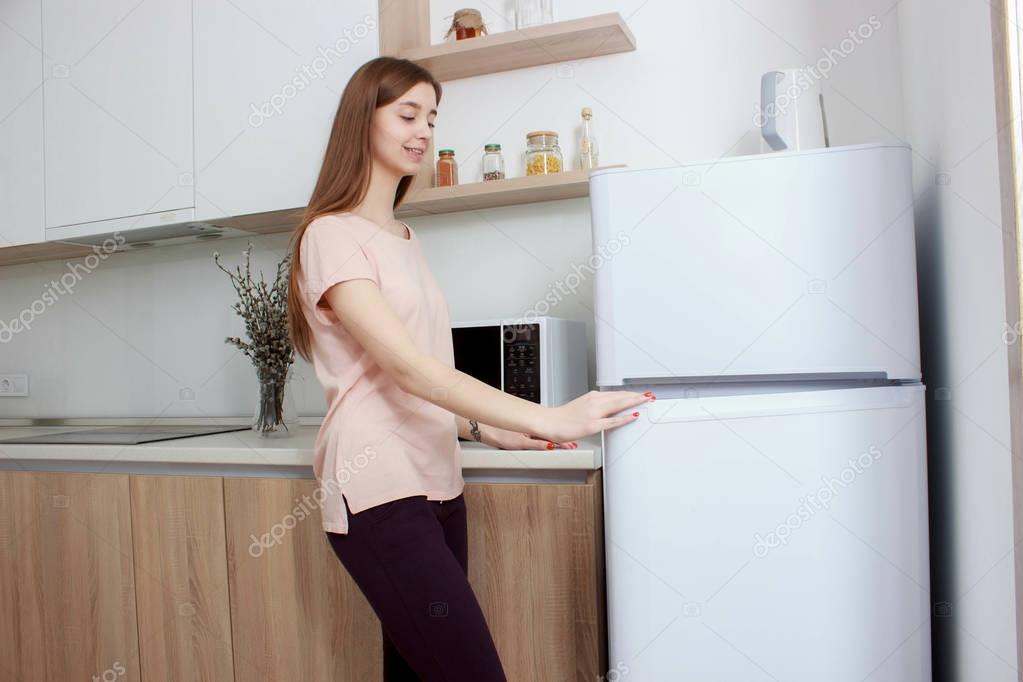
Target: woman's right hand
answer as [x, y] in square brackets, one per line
[591, 413]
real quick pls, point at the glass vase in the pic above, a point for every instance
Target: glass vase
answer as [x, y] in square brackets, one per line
[275, 415]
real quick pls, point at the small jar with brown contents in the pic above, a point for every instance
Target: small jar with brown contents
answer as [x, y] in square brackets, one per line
[543, 155]
[447, 168]
[467, 23]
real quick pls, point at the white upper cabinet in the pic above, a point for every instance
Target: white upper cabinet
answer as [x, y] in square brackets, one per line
[268, 78]
[118, 113]
[21, 124]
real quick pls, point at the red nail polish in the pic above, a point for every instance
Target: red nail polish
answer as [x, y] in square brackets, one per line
[648, 393]
[550, 446]
[635, 414]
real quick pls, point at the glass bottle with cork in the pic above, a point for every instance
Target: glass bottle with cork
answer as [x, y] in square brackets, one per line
[588, 151]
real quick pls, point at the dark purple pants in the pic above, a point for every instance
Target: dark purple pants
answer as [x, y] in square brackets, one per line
[410, 559]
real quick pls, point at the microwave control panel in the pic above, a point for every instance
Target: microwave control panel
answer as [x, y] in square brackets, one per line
[521, 361]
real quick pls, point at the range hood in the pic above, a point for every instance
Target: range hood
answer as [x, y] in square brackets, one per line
[138, 232]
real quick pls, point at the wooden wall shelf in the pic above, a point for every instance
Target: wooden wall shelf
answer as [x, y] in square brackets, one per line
[425, 202]
[508, 192]
[439, 200]
[546, 44]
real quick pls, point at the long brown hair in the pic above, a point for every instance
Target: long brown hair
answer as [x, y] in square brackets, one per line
[347, 162]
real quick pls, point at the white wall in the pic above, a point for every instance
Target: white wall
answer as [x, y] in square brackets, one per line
[950, 121]
[143, 333]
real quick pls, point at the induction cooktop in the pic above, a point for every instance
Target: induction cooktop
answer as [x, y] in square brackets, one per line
[123, 435]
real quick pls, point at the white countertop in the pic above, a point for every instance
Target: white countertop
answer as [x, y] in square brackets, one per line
[247, 448]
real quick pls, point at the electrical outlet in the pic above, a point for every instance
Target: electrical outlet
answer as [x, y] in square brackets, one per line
[13, 385]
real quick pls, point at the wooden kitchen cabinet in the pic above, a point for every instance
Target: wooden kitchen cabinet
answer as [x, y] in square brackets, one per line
[296, 613]
[536, 563]
[67, 586]
[21, 125]
[181, 587]
[267, 85]
[118, 109]
[160, 577]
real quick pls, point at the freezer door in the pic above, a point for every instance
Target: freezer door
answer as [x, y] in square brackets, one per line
[779, 264]
[750, 539]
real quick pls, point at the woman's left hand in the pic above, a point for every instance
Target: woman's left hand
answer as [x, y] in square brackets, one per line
[510, 440]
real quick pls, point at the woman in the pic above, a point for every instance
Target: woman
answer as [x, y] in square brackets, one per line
[366, 311]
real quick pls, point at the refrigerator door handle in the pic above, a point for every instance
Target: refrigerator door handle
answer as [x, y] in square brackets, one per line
[773, 404]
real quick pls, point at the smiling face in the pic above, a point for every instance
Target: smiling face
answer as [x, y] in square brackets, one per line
[403, 129]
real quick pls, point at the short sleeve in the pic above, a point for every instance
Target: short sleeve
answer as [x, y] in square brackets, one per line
[331, 253]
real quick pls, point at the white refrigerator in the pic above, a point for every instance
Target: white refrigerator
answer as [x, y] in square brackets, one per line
[765, 517]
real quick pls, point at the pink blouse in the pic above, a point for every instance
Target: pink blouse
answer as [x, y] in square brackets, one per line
[377, 443]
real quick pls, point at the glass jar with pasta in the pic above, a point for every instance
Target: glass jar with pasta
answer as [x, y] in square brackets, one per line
[543, 155]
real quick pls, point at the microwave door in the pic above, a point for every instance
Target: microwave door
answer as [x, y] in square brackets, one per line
[479, 353]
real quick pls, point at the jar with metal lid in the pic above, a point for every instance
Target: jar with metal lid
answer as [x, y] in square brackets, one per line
[543, 155]
[493, 162]
[447, 168]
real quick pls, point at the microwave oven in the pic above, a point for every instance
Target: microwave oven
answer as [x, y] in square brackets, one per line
[542, 359]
